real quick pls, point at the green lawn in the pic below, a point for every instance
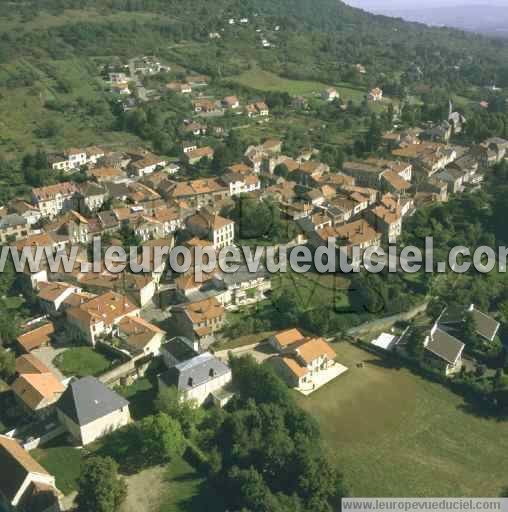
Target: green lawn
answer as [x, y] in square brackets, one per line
[62, 461]
[82, 361]
[266, 81]
[186, 491]
[395, 434]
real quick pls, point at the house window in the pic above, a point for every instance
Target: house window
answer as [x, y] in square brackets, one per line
[190, 382]
[211, 373]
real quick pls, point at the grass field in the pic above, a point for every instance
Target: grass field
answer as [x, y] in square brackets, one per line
[186, 491]
[395, 434]
[266, 81]
[82, 361]
[314, 290]
[62, 461]
[25, 111]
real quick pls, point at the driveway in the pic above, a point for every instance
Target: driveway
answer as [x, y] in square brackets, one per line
[46, 355]
[260, 352]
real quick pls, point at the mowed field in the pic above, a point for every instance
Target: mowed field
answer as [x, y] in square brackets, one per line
[395, 434]
[266, 81]
[270, 82]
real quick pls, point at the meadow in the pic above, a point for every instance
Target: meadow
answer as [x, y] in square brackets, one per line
[393, 433]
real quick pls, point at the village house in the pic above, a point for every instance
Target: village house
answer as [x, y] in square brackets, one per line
[94, 154]
[354, 234]
[392, 182]
[194, 128]
[231, 102]
[89, 410]
[435, 190]
[491, 151]
[177, 350]
[35, 337]
[117, 77]
[443, 350]
[55, 199]
[365, 173]
[140, 336]
[201, 379]
[199, 193]
[375, 94]
[428, 157]
[302, 360]
[121, 88]
[452, 320]
[196, 155]
[387, 221]
[309, 173]
[146, 165]
[205, 106]
[241, 180]
[219, 230]
[259, 108]
[91, 197]
[179, 87]
[13, 227]
[453, 178]
[96, 318]
[330, 94]
[52, 295]
[25, 485]
[282, 340]
[25, 210]
[36, 389]
[468, 165]
[71, 226]
[71, 158]
[199, 321]
[107, 174]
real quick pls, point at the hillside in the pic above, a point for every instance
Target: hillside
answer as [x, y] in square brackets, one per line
[52, 50]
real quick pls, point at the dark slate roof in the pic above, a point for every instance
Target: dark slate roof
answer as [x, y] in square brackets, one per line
[179, 348]
[485, 325]
[194, 372]
[12, 220]
[445, 346]
[88, 399]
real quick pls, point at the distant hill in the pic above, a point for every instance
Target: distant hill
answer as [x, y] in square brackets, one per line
[481, 18]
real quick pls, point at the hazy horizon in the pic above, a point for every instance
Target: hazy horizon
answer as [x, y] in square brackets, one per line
[410, 4]
[483, 16]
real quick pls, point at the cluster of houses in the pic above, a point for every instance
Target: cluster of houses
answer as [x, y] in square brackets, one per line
[442, 345]
[142, 194]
